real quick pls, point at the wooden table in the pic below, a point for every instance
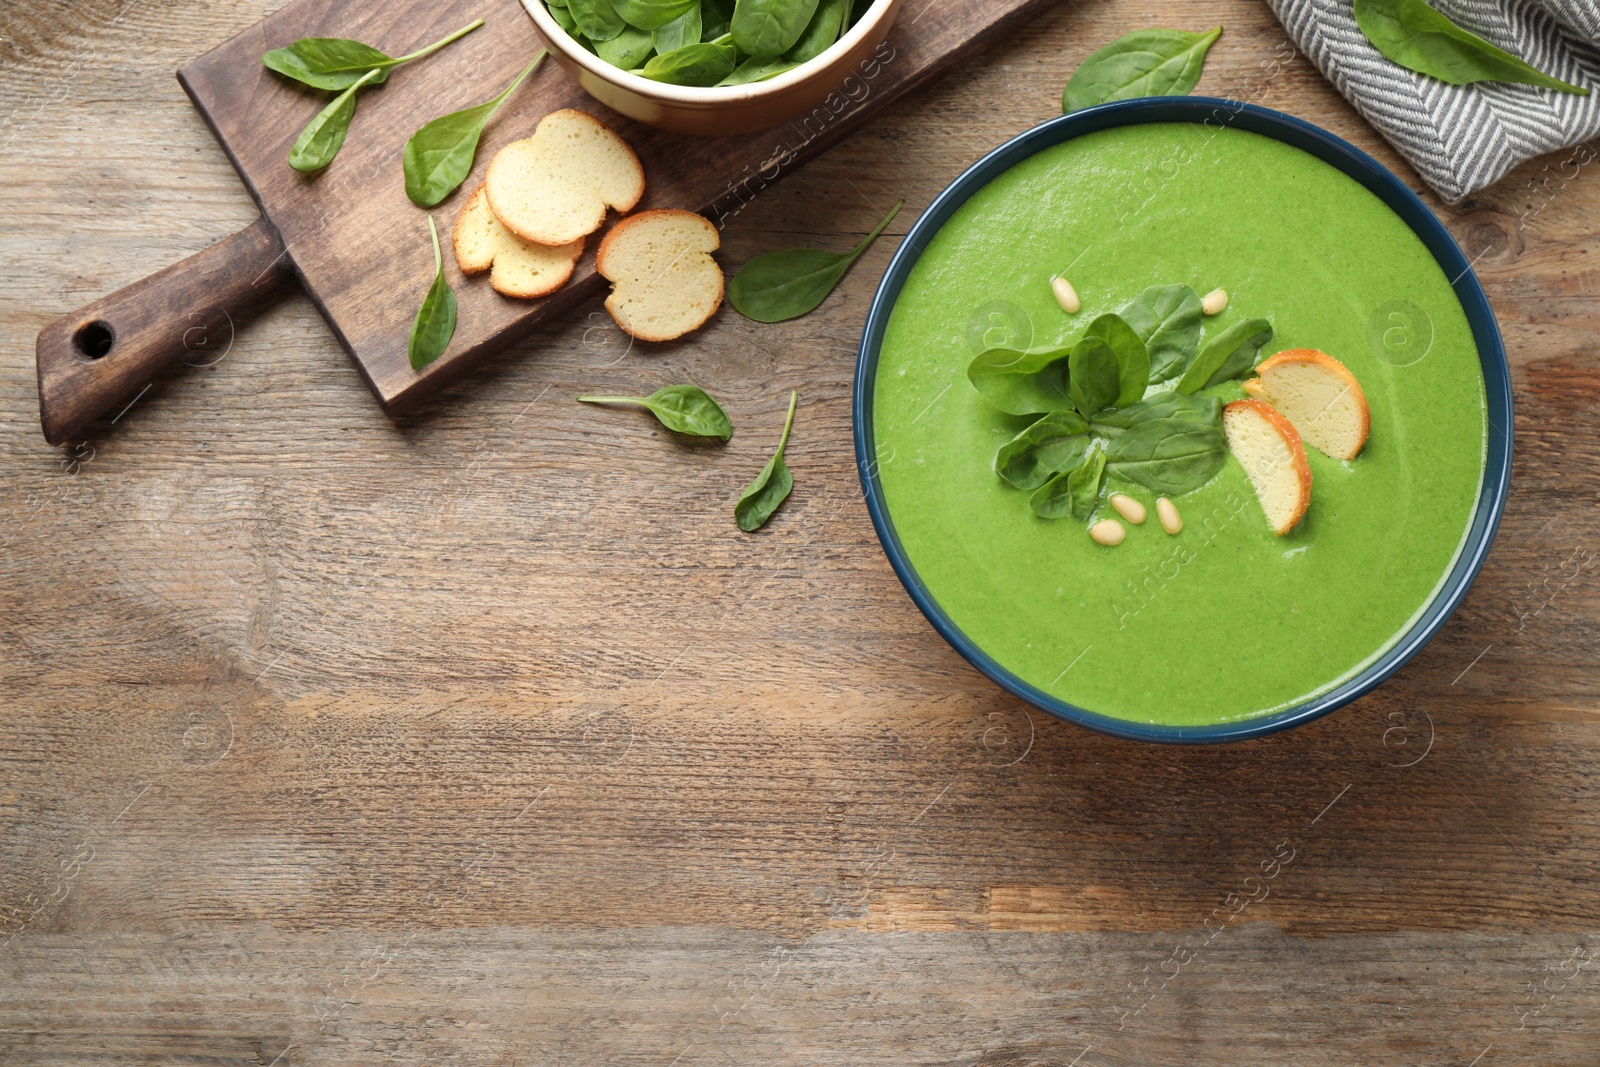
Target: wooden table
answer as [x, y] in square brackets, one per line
[485, 737]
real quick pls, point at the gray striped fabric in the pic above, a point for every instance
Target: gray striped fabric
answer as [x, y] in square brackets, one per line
[1464, 137]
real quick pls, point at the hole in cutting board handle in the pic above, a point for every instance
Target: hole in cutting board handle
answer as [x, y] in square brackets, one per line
[93, 340]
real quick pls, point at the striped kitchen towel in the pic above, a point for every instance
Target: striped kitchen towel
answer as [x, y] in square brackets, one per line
[1462, 138]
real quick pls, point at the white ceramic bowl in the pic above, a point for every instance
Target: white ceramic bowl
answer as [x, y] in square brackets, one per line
[723, 110]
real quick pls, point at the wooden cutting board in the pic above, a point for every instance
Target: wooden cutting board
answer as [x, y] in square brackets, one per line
[357, 244]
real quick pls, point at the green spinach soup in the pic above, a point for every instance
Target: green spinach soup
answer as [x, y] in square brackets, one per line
[1224, 620]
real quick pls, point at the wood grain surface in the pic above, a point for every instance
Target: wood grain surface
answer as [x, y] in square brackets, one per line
[484, 737]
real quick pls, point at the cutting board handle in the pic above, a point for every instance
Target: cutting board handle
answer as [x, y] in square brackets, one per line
[101, 355]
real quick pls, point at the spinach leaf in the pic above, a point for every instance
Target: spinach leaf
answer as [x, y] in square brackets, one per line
[1205, 410]
[597, 19]
[1108, 366]
[1133, 360]
[1054, 444]
[756, 69]
[1167, 320]
[565, 20]
[435, 323]
[686, 409]
[825, 27]
[1170, 456]
[1231, 354]
[694, 64]
[1074, 492]
[627, 49]
[439, 156]
[1151, 62]
[769, 27]
[716, 16]
[1083, 484]
[785, 285]
[335, 63]
[1022, 382]
[652, 14]
[771, 487]
[1419, 38]
[332, 63]
[1093, 375]
[324, 135]
[683, 30]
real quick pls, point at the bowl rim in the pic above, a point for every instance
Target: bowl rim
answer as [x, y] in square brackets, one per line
[702, 95]
[1400, 199]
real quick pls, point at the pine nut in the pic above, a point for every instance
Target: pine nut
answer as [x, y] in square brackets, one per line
[1167, 512]
[1066, 295]
[1128, 507]
[1214, 302]
[1108, 532]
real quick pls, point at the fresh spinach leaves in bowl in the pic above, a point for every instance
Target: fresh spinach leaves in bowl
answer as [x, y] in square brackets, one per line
[706, 42]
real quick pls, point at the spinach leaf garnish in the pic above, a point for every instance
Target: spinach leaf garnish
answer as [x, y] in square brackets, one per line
[335, 63]
[1420, 38]
[1171, 456]
[439, 156]
[1083, 484]
[1201, 409]
[435, 323]
[686, 409]
[1152, 62]
[1109, 367]
[1096, 421]
[324, 135]
[1093, 376]
[1054, 444]
[1133, 359]
[1074, 493]
[1167, 320]
[1022, 381]
[777, 286]
[771, 487]
[1231, 354]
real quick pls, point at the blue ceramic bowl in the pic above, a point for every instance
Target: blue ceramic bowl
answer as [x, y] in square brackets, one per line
[1328, 148]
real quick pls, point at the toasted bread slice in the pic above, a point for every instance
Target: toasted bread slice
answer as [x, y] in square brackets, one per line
[518, 268]
[1320, 396]
[664, 282]
[1270, 450]
[554, 187]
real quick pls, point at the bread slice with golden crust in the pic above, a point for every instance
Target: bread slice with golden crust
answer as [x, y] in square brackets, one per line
[554, 187]
[1320, 396]
[1270, 450]
[664, 282]
[517, 268]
